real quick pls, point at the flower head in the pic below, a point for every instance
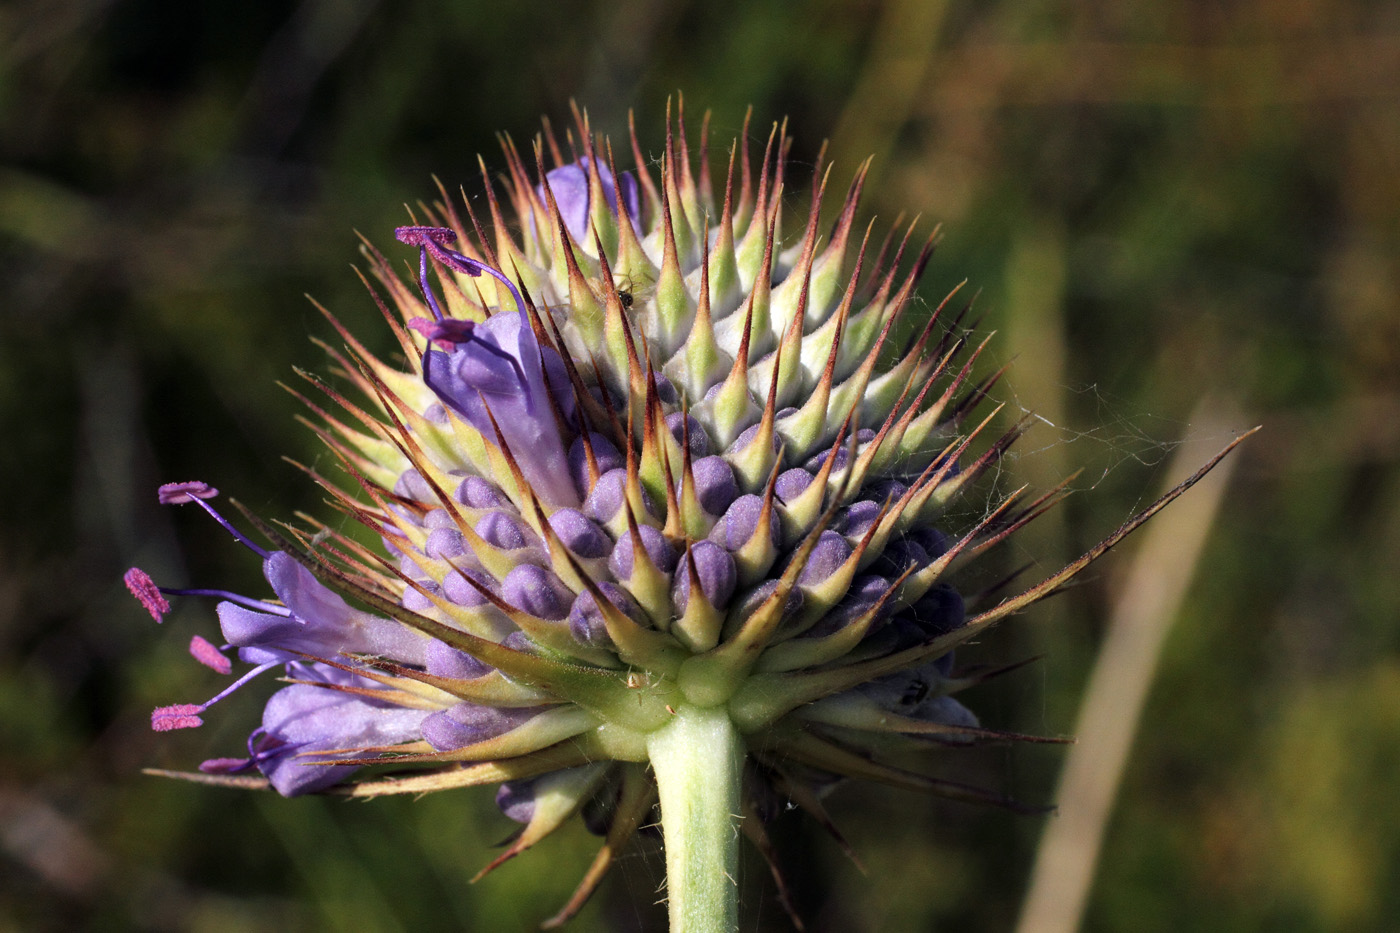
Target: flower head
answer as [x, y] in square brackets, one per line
[650, 480]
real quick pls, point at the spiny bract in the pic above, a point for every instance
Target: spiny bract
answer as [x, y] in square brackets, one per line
[643, 459]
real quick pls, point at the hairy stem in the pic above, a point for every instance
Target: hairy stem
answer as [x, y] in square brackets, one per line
[698, 758]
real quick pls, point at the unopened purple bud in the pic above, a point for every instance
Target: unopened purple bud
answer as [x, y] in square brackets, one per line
[939, 611]
[516, 800]
[699, 440]
[747, 436]
[205, 653]
[460, 591]
[750, 602]
[715, 485]
[147, 593]
[947, 711]
[665, 389]
[537, 591]
[579, 534]
[444, 544]
[467, 723]
[586, 621]
[606, 499]
[903, 553]
[519, 641]
[411, 485]
[843, 453]
[180, 716]
[605, 454]
[933, 541]
[415, 600]
[792, 483]
[478, 493]
[859, 517]
[715, 569]
[445, 661]
[185, 493]
[865, 592]
[662, 554]
[829, 553]
[439, 518]
[501, 530]
[741, 521]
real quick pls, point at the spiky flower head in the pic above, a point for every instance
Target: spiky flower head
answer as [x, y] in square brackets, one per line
[656, 492]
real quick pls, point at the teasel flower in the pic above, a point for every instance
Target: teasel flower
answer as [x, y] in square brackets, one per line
[662, 503]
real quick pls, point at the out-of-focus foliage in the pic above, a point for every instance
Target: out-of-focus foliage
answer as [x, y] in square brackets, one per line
[1158, 202]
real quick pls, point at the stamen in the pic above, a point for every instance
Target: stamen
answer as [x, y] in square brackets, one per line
[146, 593]
[205, 653]
[452, 331]
[180, 716]
[445, 331]
[197, 492]
[186, 715]
[257, 604]
[434, 240]
[182, 493]
[225, 765]
[233, 687]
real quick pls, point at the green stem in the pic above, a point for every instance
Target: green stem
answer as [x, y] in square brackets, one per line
[698, 758]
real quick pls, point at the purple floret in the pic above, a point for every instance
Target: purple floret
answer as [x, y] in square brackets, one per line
[503, 372]
[321, 624]
[569, 185]
[305, 718]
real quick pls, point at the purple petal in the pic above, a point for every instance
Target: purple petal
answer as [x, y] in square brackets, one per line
[467, 724]
[306, 718]
[503, 530]
[501, 374]
[569, 185]
[446, 661]
[792, 483]
[680, 424]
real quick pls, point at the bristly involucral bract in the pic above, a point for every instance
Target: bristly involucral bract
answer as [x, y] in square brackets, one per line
[660, 505]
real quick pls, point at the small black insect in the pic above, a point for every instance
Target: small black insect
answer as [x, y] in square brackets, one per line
[626, 298]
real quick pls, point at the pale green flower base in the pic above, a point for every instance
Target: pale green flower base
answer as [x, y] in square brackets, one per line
[698, 758]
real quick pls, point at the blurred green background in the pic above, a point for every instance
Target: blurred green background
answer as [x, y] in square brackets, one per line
[1159, 202]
